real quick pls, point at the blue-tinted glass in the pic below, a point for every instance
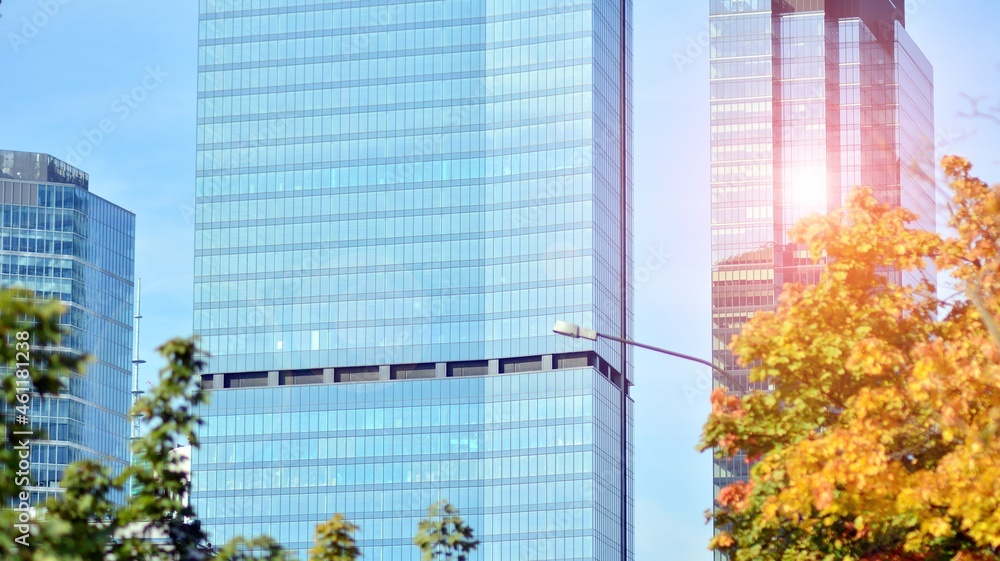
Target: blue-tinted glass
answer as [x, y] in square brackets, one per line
[401, 187]
[65, 243]
[407, 182]
[533, 468]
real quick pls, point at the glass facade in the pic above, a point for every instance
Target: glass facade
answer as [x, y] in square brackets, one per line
[65, 243]
[391, 188]
[809, 99]
[531, 459]
[407, 181]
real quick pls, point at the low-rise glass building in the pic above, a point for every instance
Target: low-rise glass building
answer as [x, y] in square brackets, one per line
[63, 242]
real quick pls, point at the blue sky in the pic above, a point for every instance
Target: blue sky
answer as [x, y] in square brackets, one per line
[130, 67]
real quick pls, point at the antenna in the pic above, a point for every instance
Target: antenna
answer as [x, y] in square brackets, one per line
[136, 392]
[136, 361]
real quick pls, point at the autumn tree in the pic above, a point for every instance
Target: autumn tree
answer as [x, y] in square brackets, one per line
[335, 541]
[444, 536]
[879, 440]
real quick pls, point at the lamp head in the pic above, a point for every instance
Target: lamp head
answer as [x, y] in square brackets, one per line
[573, 330]
[566, 328]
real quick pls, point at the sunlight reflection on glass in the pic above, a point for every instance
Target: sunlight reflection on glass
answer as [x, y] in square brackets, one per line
[806, 186]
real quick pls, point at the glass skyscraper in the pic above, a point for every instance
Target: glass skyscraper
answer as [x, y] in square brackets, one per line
[809, 99]
[65, 243]
[396, 200]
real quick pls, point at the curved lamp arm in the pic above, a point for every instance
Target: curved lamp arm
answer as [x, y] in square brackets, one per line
[576, 332]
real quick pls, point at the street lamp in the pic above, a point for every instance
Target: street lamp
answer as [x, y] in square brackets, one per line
[576, 332]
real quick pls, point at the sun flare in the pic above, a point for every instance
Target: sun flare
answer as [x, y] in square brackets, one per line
[806, 186]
